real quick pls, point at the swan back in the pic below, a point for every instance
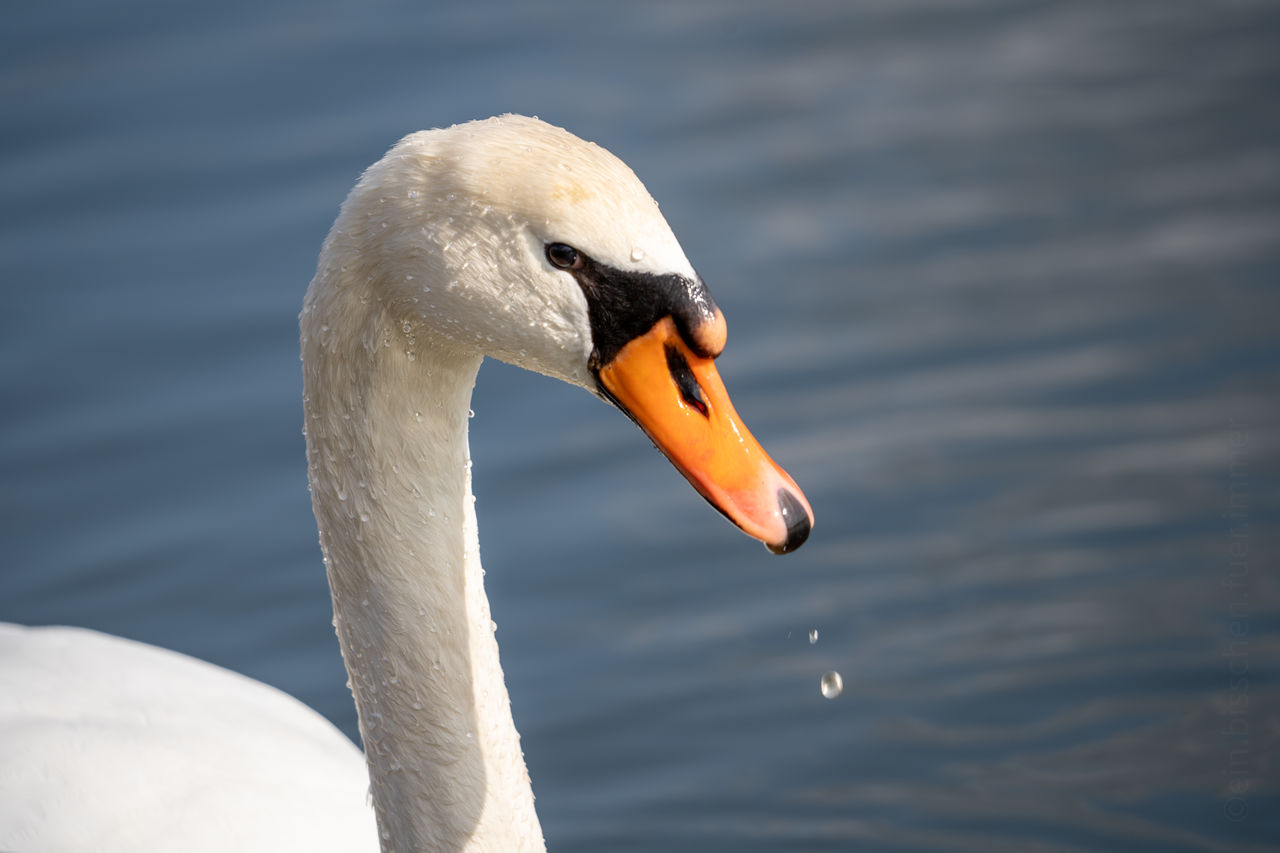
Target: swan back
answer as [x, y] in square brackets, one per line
[153, 750]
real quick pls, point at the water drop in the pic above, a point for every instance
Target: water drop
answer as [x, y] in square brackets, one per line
[471, 413]
[412, 356]
[407, 327]
[832, 684]
[813, 636]
[637, 254]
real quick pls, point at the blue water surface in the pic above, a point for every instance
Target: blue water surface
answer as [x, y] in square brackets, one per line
[1001, 283]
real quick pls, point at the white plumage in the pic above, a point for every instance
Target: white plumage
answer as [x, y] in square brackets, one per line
[111, 745]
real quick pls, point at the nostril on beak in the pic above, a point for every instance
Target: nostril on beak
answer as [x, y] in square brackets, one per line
[690, 390]
[797, 521]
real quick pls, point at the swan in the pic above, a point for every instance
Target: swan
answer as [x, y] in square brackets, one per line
[505, 237]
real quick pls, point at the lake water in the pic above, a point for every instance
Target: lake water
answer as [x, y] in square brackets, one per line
[1001, 283]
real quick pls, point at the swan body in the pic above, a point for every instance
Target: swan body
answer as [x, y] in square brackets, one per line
[146, 734]
[506, 237]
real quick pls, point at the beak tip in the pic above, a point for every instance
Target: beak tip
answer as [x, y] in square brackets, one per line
[799, 522]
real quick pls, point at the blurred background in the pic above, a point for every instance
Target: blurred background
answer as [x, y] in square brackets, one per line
[1002, 287]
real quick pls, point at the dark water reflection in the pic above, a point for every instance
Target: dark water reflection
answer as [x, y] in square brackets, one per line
[1001, 284]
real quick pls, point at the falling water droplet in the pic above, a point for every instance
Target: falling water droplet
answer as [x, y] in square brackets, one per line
[813, 636]
[832, 684]
[471, 413]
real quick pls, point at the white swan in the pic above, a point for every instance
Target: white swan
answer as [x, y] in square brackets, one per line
[505, 237]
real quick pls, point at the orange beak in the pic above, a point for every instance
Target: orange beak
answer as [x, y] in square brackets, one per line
[677, 398]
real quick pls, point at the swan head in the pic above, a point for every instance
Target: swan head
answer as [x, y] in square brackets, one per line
[512, 238]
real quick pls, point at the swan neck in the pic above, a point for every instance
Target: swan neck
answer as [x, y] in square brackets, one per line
[391, 486]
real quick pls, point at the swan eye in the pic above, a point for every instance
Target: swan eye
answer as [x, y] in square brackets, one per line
[563, 256]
